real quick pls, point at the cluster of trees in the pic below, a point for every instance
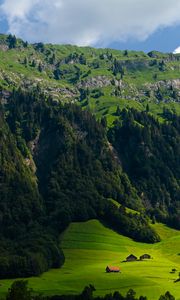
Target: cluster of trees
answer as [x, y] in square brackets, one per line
[13, 42]
[39, 47]
[133, 225]
[118, 68]
[71, 73]
[20, 290]
[150, 152]
[76, 58]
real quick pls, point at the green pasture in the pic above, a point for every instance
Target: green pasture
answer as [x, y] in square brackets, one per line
[89, 247]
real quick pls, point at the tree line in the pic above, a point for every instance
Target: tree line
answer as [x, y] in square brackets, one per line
[20, 290]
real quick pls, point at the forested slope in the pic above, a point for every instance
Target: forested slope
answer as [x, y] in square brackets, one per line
[150, 154]
[63, 170]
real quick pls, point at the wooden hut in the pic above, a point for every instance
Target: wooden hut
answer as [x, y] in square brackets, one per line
[145, 256]
[110, 269]
[131, 257]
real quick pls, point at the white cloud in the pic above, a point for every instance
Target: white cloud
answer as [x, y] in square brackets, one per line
[84, 22]
[177, 50]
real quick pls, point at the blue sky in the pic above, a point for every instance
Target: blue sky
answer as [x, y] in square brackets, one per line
[121, 24]
[164, 40]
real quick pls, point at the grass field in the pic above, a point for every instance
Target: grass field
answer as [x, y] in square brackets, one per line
[89, 247]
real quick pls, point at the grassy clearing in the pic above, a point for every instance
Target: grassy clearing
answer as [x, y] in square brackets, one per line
[106, 106]
[89, 247]
[128, 210]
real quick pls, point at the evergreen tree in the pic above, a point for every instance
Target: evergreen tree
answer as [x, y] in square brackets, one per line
[12, 41]
[19, 290]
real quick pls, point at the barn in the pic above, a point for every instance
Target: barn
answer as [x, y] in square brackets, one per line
[110, 269]
[145, 256]
[131, 257]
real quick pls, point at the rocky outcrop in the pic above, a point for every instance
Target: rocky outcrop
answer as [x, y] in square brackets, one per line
[4, 47]
[166, 85]
[95, 82]
[4, 96]
[173, 83]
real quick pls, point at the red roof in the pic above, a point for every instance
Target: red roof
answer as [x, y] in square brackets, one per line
[113, 268]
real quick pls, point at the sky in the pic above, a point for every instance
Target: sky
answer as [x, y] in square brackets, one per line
[121, 24]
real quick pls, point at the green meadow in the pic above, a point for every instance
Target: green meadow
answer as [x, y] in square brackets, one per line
[106, 106]
[89, 247]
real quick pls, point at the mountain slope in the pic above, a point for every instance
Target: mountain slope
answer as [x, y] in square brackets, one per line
[67, 146]
[18, 186]
[65, 154]
[26, 247]
[149, 153]
[101, 79]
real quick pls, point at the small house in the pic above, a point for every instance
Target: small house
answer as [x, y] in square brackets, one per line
[145, 256]
[110, 269]
[131, 258]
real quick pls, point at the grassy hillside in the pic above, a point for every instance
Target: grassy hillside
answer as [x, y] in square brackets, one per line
[106, 78]
[89, 247]
[107, 104]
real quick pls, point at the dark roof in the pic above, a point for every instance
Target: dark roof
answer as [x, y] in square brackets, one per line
[131, 256]
[145, 255]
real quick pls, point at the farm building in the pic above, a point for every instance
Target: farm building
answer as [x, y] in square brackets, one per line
[145, 256]
[110, 269]
[131, 258]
